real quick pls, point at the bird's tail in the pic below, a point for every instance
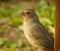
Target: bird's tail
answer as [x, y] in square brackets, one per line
[48, 49]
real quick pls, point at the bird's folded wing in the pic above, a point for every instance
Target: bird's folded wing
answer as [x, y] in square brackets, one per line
[42, 35]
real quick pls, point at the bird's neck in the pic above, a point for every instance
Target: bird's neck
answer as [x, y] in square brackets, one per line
[27, 19]
[31, 21]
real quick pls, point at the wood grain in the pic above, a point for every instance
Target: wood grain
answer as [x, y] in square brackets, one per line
[57, 29]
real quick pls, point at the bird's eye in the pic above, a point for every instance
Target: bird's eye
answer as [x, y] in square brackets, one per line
[28, 13]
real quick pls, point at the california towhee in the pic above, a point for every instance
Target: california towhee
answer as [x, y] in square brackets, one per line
[35, 32]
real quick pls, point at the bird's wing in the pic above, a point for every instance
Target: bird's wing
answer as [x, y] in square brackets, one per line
[41, 34]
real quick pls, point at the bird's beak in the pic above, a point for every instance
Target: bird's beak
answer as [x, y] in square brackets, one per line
[22, 14]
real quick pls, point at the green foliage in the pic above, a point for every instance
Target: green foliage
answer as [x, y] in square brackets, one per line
[2, 40]
[16, 21]
[47, 14]
[3, 12]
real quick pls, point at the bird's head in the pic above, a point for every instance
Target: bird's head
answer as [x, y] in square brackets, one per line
[29, 15]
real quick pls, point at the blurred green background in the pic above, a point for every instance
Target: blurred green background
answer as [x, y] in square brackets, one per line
[11, 34]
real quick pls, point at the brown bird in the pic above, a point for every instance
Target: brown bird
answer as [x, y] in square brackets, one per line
[35, 32]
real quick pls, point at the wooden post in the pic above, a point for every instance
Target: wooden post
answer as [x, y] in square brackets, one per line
[57, 29]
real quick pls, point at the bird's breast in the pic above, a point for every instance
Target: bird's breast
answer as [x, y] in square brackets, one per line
[27, 27]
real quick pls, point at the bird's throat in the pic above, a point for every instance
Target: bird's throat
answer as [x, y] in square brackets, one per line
[26, 19]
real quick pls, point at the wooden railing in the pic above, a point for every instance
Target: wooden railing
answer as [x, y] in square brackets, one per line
[57, 29]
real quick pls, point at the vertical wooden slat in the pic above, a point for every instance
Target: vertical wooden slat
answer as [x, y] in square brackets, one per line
[57, 29]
